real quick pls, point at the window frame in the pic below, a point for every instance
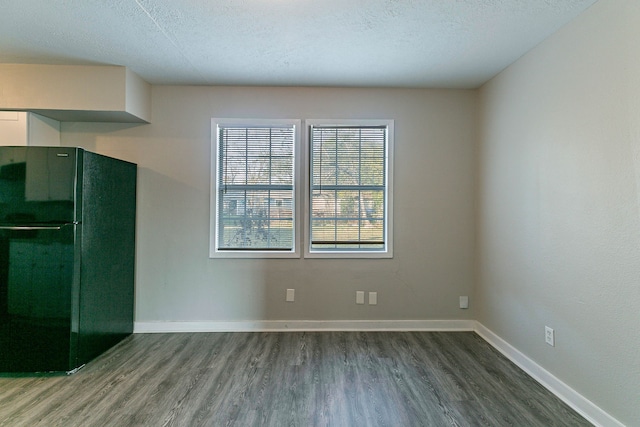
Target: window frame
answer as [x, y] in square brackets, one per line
[214, 250]
[387, 252]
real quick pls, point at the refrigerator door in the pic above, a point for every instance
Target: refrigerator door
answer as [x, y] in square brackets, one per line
[36, 280]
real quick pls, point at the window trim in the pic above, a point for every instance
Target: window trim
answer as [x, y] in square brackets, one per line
[214, 251]
[388, 209]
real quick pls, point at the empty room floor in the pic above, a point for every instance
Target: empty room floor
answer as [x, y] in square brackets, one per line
[289, 379]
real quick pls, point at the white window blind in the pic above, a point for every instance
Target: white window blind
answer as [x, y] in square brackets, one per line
[349, 188]
[255, 206]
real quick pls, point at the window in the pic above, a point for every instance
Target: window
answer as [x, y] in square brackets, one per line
[255, 188]
[349, 195]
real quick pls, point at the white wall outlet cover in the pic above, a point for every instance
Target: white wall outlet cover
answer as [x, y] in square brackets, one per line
[549, 336]
[464, 302]
[291, 295]
[373, 298]
[359, 297]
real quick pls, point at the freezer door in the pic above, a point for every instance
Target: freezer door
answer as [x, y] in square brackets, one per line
[37, 184]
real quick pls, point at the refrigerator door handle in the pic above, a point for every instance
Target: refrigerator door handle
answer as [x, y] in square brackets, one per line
[37, 227]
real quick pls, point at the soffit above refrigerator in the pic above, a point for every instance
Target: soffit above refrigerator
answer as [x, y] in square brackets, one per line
[76, 93]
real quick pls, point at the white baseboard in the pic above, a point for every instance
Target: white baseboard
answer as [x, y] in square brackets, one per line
[305, 325]
[575, 400]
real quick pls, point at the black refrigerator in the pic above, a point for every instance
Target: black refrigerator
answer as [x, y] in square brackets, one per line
[67, 251]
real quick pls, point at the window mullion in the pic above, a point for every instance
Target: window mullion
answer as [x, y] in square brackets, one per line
[222, 178]
[335, 195]
[269, 236]
[360, 185]
[246, 222]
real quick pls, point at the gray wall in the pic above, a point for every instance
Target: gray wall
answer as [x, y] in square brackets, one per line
[559, 213]
[435, 134]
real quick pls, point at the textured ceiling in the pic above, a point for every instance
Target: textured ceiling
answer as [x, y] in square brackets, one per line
[389, 43]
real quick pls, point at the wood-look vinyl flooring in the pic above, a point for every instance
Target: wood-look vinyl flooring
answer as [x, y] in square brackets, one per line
[289, 379]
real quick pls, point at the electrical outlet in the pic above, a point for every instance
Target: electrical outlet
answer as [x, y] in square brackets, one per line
[291, 295]
[549, 336]
[359, 297]
[373, 298]
[464, 302]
